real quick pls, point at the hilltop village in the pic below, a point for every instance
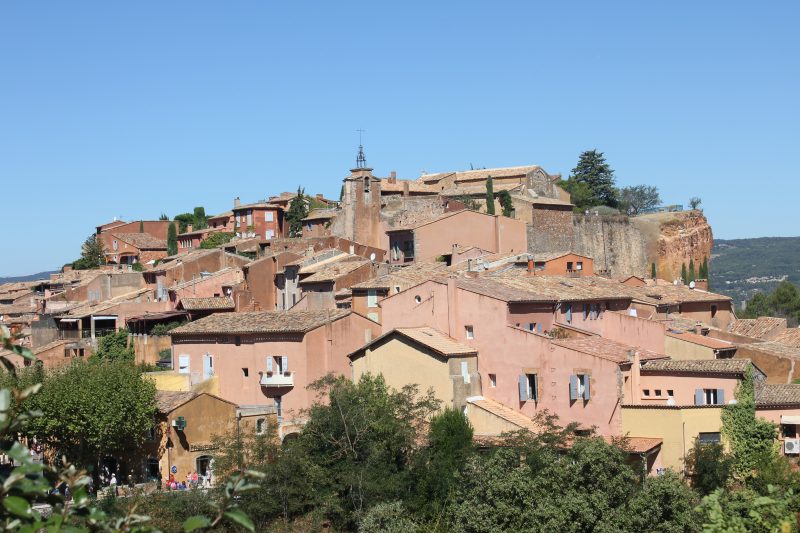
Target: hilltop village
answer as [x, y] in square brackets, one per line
[504, 311]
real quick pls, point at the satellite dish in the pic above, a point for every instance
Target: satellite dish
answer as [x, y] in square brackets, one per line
[372, 256]
[691, 284]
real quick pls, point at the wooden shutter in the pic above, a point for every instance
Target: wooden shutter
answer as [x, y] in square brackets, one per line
[573, 387]
[698, 396]
[284, 363]
[523, 387]
[721, 396]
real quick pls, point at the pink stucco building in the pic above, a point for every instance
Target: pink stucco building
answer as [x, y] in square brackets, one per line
[269, 357]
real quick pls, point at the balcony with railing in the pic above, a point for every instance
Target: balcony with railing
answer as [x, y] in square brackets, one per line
[277, 379]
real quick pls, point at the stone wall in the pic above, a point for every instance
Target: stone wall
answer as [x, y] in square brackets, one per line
[617, 246]
[402, 211]
[550, 230]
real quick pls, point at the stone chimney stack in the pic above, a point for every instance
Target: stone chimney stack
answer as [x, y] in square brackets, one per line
[189, 227]
[393, 177]
[236, 202]
[405, 188]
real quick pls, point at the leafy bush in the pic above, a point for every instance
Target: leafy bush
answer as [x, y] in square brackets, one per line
[216, 240]
[163, 329]
[114, 347]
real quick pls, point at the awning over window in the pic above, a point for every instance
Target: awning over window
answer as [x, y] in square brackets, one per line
[790, 419]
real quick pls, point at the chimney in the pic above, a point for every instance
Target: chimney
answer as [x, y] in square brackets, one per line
[189, 227]
[698, 328]
[530, 266]
[393, 177]
[236, 202]
[405, 188]
[452, 304]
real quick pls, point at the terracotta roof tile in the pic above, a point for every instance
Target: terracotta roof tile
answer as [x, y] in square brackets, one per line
[757, 328]
[774, 348]
[699, 366]
[92, 308]
[702, 340]
[634, 444]
[261, 322]
[436, 341]
[784, 394]
[789, 337]
[210, 275]
[607, 349]
[333, 271]
[321, 214]
[506, 413]
[142, 241]
[563, 288]
[406, 277]
[214, 302]
[168, 401]
[466, 175]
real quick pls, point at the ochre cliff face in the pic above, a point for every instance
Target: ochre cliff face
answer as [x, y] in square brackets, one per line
[682, 237]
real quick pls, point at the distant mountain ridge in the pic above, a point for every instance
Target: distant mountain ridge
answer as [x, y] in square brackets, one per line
[29, 277]
[741, 267]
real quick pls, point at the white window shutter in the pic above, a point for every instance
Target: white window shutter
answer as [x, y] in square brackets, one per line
[284, 363]
[698, 396]
[573, 387]
[269, 363]
[721, 396]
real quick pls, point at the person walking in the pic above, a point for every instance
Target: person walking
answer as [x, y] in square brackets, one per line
[113, 485]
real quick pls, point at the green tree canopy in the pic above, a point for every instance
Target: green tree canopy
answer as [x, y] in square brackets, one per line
[506, 203]
[91, 409]
[114, 347]
[490, 195]
[199, 218]
[633, 200]
[783, 302]
[298, 210]
[215, 240]
[92, 254]
[172, 240]
[591, 182]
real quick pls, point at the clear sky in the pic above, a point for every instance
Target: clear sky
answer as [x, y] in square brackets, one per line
[131, 109]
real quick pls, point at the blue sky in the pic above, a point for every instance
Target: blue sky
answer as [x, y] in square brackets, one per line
[136, 108]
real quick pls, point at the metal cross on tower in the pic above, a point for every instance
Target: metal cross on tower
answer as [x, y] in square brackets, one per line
[361, 159]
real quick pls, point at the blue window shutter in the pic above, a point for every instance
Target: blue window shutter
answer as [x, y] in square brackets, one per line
[269, 363]
[523, 388]
[569, 313]
[573, 387]
[586, 381]
[538, 328]
[284, 363]
[721, 396]
[698, 396]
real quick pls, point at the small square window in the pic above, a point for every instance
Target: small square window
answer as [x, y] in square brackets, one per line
[470, 332]
[658, 392]
[670, 393]
[646, 392]
[245, 372]
[396, 289]
[493, 380]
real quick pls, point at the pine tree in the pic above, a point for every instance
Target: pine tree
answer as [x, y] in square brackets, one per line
[490, 196]
[200, 218]
[692, 274]
[298, 210]
[653, 270]
[172, 240]
[593, 171]
[684, 275]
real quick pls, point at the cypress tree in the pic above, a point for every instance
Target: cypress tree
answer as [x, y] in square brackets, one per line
[704, 268]
[298, 210]
[489, 196]
[684, 275]
[172, 240]
[653, 270]
[692, 275]
[141, 226]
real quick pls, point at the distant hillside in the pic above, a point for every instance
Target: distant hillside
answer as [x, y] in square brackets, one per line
[29, 277]
[741, 267]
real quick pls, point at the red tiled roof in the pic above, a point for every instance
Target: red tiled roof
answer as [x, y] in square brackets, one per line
[142, 241]
[428, 337]
[261, 322]
[607, 349]
[698, 366]
[201, 304]
[758, 328]
[506, 413]
[702, 340]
